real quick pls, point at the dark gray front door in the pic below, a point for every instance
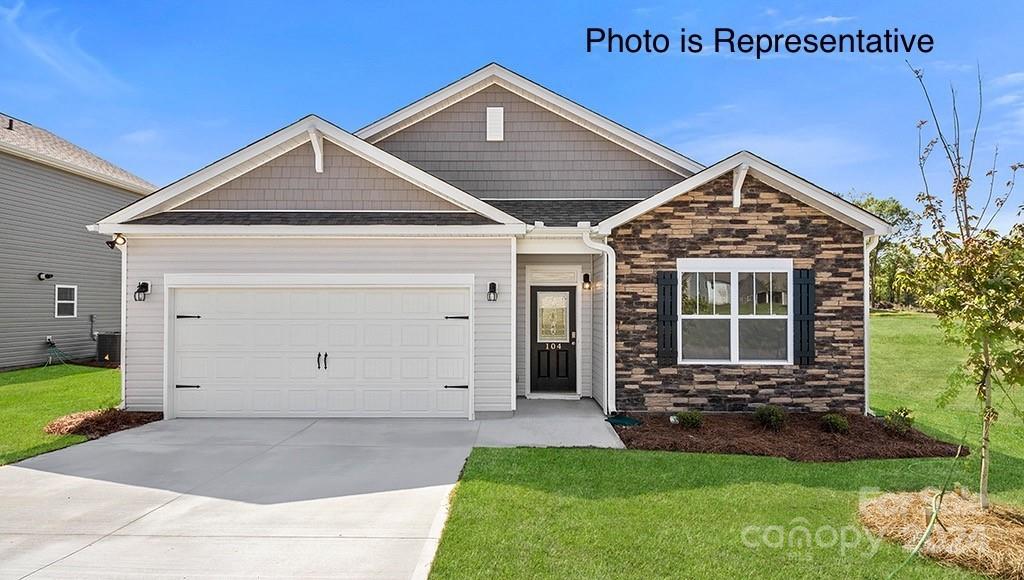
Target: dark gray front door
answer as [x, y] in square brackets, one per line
[553, 339]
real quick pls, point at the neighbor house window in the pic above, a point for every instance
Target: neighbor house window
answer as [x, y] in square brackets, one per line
[65, 302]
[735, 310]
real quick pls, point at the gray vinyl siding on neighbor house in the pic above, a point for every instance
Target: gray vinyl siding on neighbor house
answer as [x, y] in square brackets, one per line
[43, 218]
[542, 155]
[489, 259]
[589, 335]
[290, 182]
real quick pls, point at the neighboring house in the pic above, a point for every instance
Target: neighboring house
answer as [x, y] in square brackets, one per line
[56, 279]
[490, 241]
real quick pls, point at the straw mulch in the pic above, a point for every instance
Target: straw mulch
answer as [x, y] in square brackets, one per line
[990, 542]
[94, 424]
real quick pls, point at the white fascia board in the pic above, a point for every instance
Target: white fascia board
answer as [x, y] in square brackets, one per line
[363, 231]
[284, 140]
[71, 168]
[771, 174]
[561, 106]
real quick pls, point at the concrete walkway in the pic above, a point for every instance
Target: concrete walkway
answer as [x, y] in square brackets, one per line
[215, 498]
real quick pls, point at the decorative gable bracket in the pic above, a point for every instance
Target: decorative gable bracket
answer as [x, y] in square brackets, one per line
[739, 175]
[316, 139]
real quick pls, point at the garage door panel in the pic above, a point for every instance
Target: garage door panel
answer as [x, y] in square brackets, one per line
[377, 335]
[254, 352]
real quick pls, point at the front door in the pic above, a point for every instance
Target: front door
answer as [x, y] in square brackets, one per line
[553, 339]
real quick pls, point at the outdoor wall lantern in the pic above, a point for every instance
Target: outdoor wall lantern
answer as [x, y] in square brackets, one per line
[492, 292]
[141, 290]
[44, 276]
[118, 240]
[586, 281]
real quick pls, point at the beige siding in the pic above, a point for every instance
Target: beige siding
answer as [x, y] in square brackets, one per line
[290, 182]
[542, 154]
[488, 259]
[584, 318]
[43, 214]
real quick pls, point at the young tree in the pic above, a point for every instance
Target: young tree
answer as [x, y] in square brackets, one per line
[904, 222]
[969, 274]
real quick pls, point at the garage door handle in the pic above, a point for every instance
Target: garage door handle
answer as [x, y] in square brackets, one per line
[186, 386]
[318, 360]
[325, 361]
[462, 317]
[456, 386]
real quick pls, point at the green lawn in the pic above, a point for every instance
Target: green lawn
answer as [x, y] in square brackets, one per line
[31, 398]
[550, 513]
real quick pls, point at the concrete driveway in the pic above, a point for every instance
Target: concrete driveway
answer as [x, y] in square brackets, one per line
[240, 498]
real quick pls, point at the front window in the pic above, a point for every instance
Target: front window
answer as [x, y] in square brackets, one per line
[734, 310]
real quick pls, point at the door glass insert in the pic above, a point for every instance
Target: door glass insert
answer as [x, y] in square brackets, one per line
[552, 317]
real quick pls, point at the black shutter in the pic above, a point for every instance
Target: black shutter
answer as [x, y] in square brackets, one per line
[667, 316]
[803, 316]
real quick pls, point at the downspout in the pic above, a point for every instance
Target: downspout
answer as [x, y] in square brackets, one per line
[609, 301]
[870, 243]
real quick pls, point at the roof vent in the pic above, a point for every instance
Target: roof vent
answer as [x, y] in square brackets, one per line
[10, 124]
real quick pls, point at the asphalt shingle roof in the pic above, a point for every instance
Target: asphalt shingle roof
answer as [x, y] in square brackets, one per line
[34, 140]
[562, 212]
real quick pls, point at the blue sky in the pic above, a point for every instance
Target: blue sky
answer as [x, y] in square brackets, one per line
[163, 88]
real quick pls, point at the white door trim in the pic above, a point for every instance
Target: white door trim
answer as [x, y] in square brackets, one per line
[283, 280]
[576, 270]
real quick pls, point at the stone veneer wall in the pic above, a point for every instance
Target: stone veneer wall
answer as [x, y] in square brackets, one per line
[768, 223]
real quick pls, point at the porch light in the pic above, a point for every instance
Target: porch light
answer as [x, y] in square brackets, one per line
[586, 281]
[492, 292]
[140, 291]
[118, 240]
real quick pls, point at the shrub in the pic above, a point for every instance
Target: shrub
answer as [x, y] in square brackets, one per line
[770, 417]
[900, 420]
[835, 423]
[690, 419]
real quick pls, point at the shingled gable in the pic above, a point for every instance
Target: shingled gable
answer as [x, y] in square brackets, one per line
[308, 131]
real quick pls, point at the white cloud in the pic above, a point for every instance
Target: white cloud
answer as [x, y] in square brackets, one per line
[832, 19]
[43, 40]
[1008, 80]
[141, 137]
[1006, 100]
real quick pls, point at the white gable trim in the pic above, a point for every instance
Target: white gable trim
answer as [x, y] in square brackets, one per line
[770, 174]
[496, 74]
[282, 141]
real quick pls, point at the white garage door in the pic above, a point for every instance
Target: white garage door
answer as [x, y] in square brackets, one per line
[325, 352]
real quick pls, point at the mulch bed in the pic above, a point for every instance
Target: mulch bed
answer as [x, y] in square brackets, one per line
[95, 424]
[800, 439]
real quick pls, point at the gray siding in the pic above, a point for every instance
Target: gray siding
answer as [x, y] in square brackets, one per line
[543, 155]
[586, 332]
[42, 220]
[290, 182]
[489, 259]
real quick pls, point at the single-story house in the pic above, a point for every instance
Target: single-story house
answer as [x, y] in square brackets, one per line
[58, 286]
[490, 241]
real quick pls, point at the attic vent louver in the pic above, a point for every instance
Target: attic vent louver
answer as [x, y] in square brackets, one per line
[495, 123]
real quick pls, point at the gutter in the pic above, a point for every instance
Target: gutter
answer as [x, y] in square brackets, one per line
[870, 243]
[609, 302]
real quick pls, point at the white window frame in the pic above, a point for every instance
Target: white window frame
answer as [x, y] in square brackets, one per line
[57, 301]
[734, 266]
